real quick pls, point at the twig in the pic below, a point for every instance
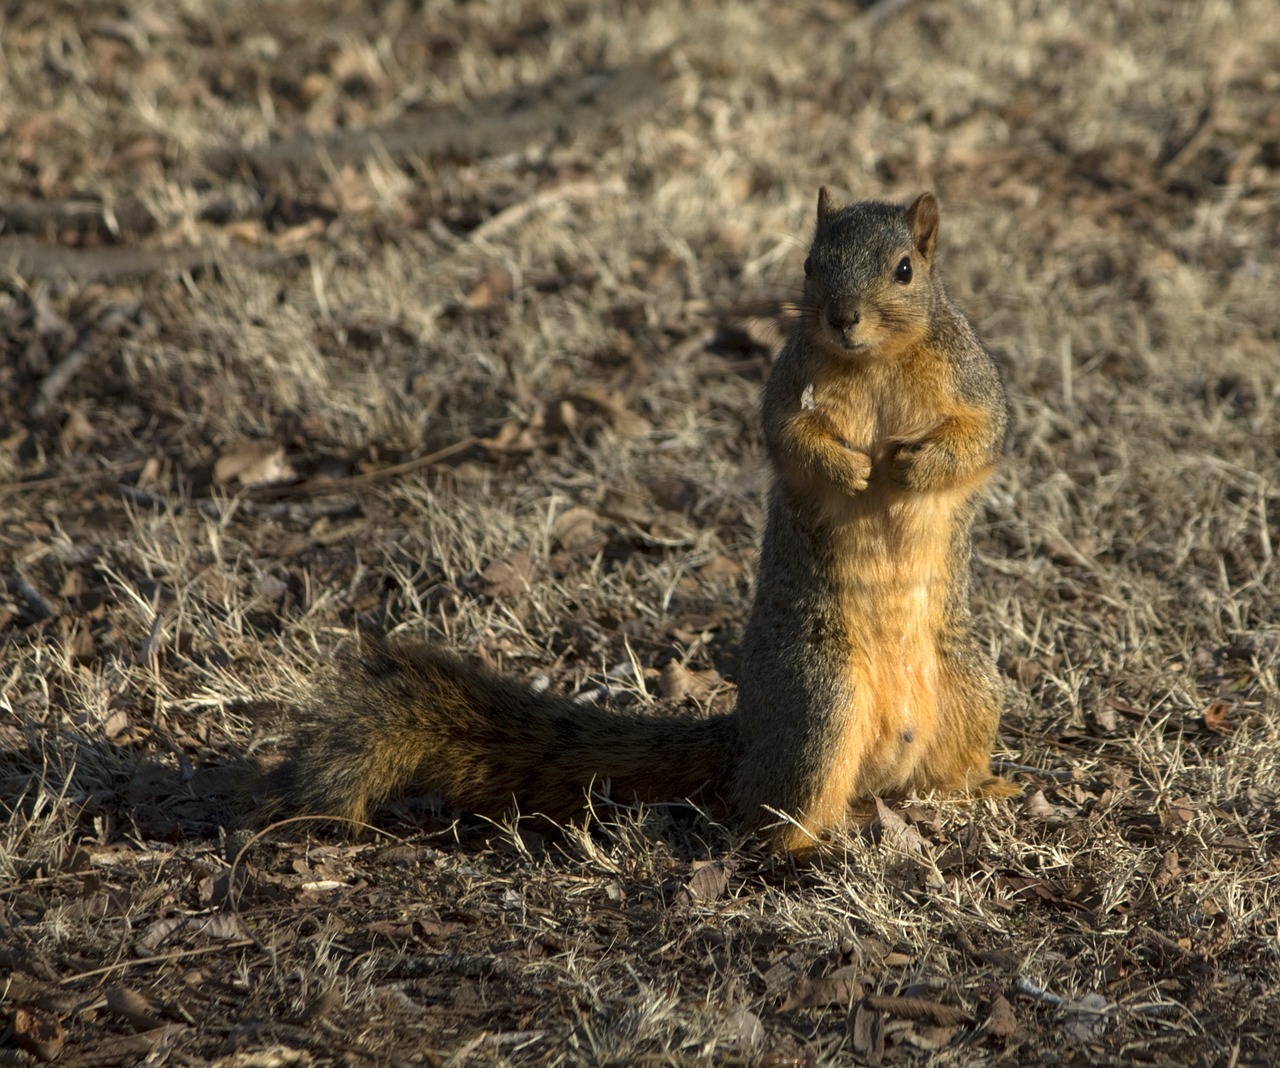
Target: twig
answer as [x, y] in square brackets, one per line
[314, 487]
[1005, 767]
[64, 480]
[113, 322]
[159, 958]
[918, 1009]
[1026, 987]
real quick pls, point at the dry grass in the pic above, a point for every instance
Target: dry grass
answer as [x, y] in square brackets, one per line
[497, 347]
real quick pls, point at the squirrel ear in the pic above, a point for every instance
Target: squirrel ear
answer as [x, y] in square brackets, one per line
[824, 205]
[923, 216]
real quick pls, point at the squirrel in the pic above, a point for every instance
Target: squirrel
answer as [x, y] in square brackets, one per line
[860, 673]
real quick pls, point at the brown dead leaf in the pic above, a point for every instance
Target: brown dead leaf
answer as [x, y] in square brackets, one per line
[676, 681]
[1001, 1021]
[721, 569]
[779, 976]
[576, 529]
[613, 409]
[117, 724]
[708, 882]
[931, 1038]
[866, 1030]
[673, 494]
[250, 231]
[294, 236]
[515, 436]
[1217, 717]
[1104, 715]
[253, 463]
[493, 289]
[1179, 812]
[842, 987]
[897, 832]
[744, 1029]
[77, 431]
[38, 1034]
[219, 925]
[1167, 871]
[323, 1005]
[131, 1006]
[1037, 805]
[509, 577]
[561, 417]
[348, 192]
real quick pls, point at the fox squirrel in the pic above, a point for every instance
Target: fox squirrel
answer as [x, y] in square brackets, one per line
[859, 674]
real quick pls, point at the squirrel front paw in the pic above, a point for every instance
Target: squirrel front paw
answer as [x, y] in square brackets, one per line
[835, 459]
[920, 464]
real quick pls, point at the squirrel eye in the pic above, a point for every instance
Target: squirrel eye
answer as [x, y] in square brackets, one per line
[902, 273]
[808, 266]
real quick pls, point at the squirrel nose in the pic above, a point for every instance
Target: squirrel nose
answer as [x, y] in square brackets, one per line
[842, 319]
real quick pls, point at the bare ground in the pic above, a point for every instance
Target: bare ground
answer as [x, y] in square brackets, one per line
[429, 317]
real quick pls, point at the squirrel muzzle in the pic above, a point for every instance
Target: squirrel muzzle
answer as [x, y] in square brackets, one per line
[841, 321]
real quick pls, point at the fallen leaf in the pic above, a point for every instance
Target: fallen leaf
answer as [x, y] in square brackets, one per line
[897, 832]
[1177, 813]
[252, 464]
[676, 681]
[1217, 717]
[509, 577]
[744, 1029]
[842, 987]
[931, 1038]
[614, 410]
[779, 975]
[1087, 1019]
[494, 288]
[220, 925]
[1104, 715]
[77, 431]
[1167, 871]
[561, 417]
[721, 569]
[708, 881]
[1037, 805]
[131, 1006]
[117, 723]
[322, 1005]
[576, 528]
[39, 1035]
[866, 1030]
[1001, 1021]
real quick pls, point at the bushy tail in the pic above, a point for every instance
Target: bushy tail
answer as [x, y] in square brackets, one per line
[403, 718]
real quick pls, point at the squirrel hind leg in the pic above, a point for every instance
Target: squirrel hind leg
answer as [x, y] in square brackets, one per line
[810, 805]
[791, 839]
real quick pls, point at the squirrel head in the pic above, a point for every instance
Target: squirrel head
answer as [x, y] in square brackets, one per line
[870, 277]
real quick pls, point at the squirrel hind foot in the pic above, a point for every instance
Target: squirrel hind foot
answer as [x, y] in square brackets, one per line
[997, 787]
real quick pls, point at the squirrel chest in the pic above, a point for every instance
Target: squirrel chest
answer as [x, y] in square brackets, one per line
[892, 563]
